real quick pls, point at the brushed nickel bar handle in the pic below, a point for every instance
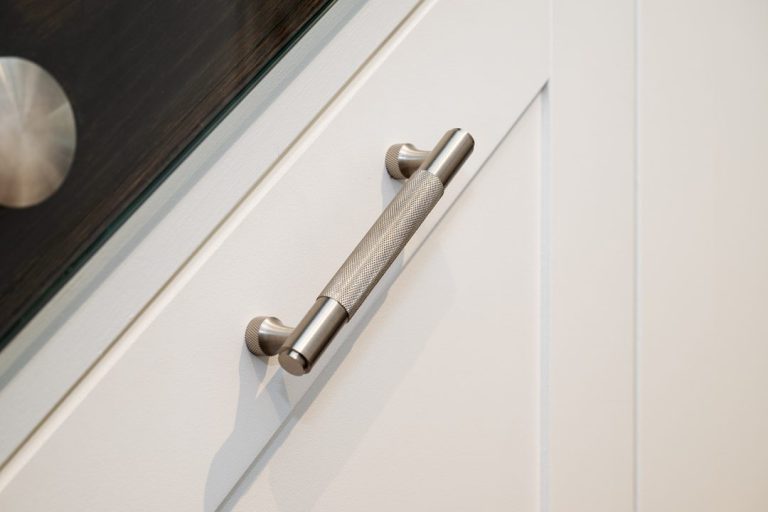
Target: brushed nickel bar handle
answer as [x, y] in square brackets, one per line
[426, 174]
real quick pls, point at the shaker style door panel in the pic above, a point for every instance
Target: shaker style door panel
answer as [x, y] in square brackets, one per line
[436, 405]
[175, 413]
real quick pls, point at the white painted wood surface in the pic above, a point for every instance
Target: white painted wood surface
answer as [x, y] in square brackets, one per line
[585, 381]
[433, 408]
[703, 259]
[588, 310]
[176, 410]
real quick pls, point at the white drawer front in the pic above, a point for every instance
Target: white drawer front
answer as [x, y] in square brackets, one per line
[178, 409]
[436, 404]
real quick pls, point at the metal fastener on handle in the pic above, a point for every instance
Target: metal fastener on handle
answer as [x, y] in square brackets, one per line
[427, 173]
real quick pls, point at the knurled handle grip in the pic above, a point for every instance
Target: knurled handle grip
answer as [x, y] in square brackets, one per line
[427, 174]
[380, 246]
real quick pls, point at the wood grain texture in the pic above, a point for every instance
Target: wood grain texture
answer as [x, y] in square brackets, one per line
[144, 79]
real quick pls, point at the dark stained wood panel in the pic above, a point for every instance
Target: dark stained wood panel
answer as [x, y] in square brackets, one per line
[144, 78]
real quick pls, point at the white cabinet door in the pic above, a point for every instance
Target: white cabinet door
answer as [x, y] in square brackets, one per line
[436, 405]
[460, 385]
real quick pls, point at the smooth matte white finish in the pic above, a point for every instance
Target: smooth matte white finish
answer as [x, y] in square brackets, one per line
[703, 260]
[177, 409]
[386, 428]
[588, 311]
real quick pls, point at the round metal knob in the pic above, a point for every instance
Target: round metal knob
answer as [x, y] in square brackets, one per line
[37, 133]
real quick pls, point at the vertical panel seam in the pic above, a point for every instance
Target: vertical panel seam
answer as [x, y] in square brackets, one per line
[636, 268]
[544, 299]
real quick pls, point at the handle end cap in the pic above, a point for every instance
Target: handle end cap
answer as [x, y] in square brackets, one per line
[293, 362]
